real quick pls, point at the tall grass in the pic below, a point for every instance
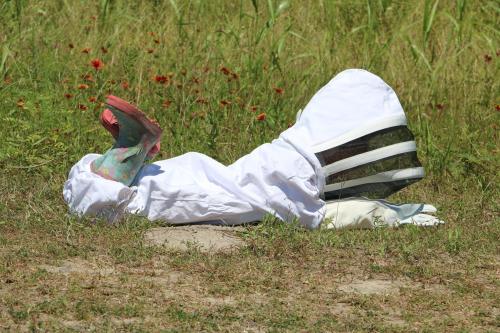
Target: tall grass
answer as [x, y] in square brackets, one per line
[266, 44]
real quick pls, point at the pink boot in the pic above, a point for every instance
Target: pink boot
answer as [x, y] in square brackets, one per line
[110, 123]
[136, 138]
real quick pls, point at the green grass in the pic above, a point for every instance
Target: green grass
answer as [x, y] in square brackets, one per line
[441, 57]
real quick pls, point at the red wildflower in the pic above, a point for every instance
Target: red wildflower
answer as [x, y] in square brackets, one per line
[279, 91]
[261, 116]
[157, 41]
[487, 58]
[234, 76]
[166, 103]
[224, 103]
[440, 106]
[112, 81]
[206, 69]
[86, 50]
[92, 99]
[161, 79]
[104, 50]
[97, 64]
[83, 86]
[201, 100]
[253, 108]
[82, 107]
[225, 70]
[88, 77]
[497, 107]
[125, 85]
[150, 50]
[71, 46]
[68, 95]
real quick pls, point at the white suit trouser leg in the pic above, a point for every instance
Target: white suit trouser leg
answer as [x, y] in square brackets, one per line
[275, 179]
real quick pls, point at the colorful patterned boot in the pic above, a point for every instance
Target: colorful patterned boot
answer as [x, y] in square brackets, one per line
[137, 136]
[110, 123]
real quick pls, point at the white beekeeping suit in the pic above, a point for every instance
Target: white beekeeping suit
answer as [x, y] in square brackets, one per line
[351, 140]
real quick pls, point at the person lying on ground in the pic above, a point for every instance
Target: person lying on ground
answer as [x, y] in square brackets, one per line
[348, 149]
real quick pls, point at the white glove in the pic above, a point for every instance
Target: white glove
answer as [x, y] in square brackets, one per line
[362, 213]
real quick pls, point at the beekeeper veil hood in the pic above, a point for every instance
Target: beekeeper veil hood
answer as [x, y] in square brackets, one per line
[356, 127]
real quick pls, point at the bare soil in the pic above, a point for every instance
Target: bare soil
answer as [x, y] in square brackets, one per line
[207, 238]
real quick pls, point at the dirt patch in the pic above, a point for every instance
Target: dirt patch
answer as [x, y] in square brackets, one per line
[341, 309]
[78, 266]
[390, 317]
[165, 279]
[372, 287]
[394, 321]
[75, 325]
[206, 238]
[219, 301]
[126, 321]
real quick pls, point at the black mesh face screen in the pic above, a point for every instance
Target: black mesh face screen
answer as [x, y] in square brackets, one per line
[395, 162]
[372, 141]
[371, 189]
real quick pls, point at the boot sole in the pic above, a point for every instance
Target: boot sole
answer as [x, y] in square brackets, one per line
[134, 113]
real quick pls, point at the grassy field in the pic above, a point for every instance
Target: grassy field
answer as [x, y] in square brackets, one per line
[208, 71]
